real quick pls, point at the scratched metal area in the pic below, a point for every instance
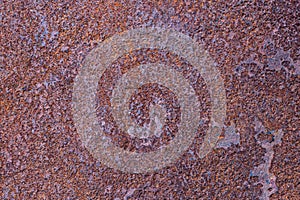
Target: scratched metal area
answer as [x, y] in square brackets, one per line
[149, 100]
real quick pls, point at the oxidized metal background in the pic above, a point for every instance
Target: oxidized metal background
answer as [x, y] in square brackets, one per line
[149, 100]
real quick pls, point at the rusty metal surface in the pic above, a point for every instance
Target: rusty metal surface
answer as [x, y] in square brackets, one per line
[149, 100]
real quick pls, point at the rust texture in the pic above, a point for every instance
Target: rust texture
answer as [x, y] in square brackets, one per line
[252, 48]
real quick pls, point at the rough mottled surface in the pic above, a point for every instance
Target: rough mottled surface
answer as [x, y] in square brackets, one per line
[255, 47]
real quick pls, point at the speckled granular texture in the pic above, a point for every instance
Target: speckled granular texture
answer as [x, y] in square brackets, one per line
[255, 47]
[142, 99]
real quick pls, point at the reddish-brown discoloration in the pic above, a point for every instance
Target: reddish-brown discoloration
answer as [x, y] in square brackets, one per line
[42, 47]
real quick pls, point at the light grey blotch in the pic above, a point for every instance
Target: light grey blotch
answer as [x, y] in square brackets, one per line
[106, 141]
[267, 179]
[231, 137]
[54, 34]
